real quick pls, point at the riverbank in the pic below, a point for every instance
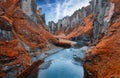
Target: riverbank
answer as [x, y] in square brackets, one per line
[39, 60]
[32, 71]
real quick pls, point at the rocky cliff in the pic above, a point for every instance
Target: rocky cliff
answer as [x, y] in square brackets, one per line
[97, 24]
[22, 35]
[93, 20]
[66, 24]
[102, 61]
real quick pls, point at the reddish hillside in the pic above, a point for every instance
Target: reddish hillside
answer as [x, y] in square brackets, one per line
[18, 35]
[103, 60]
[22, 32]
[100, 22]
[79, 30]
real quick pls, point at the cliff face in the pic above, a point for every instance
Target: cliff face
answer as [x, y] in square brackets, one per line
[102, 61]
[103, 11]
[99, 12]
[29, 7]
[66, 24]
[22, 34]
[98, 24]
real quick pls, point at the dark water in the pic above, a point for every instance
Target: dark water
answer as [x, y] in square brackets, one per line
[63, 65]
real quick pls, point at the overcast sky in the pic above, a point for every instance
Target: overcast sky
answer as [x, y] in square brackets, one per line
[57, 9]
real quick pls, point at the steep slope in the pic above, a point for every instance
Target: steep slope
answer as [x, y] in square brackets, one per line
[102, 61]
[22, 33]
[68, 23]
[75, 27]
[80, 30]
[98, 25]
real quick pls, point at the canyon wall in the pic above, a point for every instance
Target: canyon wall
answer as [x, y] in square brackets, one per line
[23, 31]
[102, 60]
[22, 36]
[29, 7]
[69, 22]
[97, 24]
[103, 11]
[99, 12]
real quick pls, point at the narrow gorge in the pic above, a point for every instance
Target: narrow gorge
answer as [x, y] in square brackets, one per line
[85, 44]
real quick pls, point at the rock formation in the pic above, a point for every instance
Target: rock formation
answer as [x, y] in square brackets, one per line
[102, 61]
[103, 11]
[22, 34]
[69, 22]
[97, 24]
[29, 7]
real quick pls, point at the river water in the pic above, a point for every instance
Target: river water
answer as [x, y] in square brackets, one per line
[63, 64]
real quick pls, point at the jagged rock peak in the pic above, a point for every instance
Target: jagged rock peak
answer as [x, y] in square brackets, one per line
[70, 21]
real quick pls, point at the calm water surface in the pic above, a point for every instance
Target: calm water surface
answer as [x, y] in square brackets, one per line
[63, 65]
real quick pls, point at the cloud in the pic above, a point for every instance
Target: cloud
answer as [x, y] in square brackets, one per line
[59, 9]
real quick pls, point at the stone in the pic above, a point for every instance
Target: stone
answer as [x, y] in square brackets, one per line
[29, 7]
[70, 22]
[103, 12]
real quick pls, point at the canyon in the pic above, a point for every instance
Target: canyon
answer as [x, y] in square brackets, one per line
[24, 36]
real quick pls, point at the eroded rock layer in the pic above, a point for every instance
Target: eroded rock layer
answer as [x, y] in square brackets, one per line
[98, 25]
[22, 33]
[102, 61]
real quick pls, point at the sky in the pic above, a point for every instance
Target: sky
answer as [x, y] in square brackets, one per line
[57, 9]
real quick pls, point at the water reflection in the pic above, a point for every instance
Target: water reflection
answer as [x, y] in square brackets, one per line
[62, 65]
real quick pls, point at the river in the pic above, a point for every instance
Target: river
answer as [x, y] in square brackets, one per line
[66, 63]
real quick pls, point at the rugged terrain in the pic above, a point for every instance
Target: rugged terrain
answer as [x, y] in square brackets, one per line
[97, 24]
[102, 61]
[24, 34]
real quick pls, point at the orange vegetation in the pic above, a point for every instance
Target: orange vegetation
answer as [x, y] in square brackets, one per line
[103, 60]
[79, 30]
[12, 52]
[82, 29]
[117, 6]
[76, 32]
